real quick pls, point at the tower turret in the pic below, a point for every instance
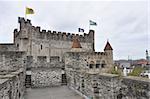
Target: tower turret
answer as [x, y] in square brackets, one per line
[24, 35]
[25, 26]
[91, 34]
[147, 57]
[108, 47]
[109, 51]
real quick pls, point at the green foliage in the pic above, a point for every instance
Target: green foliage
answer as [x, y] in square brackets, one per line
[136, 71]
[114, 71]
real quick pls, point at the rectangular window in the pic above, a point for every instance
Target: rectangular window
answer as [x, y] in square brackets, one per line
[97, 65]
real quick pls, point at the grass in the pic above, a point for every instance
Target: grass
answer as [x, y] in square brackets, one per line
[136, 71]
[112, 70]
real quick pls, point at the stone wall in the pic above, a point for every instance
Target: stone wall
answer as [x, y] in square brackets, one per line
[12, 60]
[91, 85]
[54, 47]
[108, 86]
[90, 61]
[12, 74]
[27, 27]
[46, 77]
[38, 42]
[134, 88]
[43, 62]
[45, 73]
[12, 84]
[8, 47]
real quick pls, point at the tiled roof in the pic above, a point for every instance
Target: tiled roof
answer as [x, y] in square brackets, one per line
[76, 43]
[108, 46]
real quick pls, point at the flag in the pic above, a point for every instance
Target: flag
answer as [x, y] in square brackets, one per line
[29, 10]
[93, 23]
[80, 30]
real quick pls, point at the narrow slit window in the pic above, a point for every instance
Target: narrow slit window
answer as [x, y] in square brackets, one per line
[41, 47]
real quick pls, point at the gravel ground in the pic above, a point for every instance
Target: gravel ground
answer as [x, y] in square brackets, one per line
[62, 92]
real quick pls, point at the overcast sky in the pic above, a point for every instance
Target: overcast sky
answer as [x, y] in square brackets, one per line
[123, 22]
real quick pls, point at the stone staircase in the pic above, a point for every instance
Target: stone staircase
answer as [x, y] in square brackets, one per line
[28, 81]
[64, 79]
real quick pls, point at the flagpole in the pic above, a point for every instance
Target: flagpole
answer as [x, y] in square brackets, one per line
[25, 16]
[89, 24]
[25, 13]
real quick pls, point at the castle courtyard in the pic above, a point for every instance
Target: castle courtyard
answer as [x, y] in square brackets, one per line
[55, 61]
[62, 92]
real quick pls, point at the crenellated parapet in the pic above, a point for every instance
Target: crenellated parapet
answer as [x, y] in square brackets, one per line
[57, 35]
[16, 33]
[21, 20]
[90, 54]
[99, 53]
[26, 29]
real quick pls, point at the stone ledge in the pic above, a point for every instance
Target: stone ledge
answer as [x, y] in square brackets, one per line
[137, 78]
[3, 81]
[45, 67]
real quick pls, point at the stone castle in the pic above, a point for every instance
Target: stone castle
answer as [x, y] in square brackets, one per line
[40, 58]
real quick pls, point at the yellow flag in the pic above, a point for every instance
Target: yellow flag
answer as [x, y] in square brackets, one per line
[29, 10]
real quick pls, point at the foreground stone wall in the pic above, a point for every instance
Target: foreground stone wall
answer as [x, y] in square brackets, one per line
[12, 60]
[108, 86]
[97, 86]
[12, 74]
[46, 77]
[134, 88]
[12, 85]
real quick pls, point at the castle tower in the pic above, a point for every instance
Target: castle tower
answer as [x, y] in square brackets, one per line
[76, 46]
[109, 51]
[22, 37]
[25, 26]
[108, 47]
[147, 57]
[92, 35]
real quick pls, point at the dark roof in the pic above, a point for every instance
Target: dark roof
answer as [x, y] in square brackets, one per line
[76, 43]
[108, 46]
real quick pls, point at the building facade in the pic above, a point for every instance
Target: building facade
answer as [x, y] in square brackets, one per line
[46, 51]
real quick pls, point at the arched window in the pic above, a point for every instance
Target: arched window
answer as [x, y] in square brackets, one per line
[91, 64]
[17, 45]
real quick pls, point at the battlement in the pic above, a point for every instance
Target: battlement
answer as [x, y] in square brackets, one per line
[95, 54]
[57, 35]
[51, 35]
[16, 33]
[99, 53]
[22, 20]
